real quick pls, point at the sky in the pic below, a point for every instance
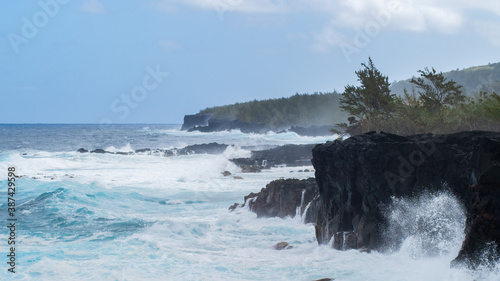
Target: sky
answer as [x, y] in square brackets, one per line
[153, 61]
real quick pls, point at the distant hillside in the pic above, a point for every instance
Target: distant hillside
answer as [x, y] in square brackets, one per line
[474, 79]
[299, 110]
[304, 114]
[320, 110]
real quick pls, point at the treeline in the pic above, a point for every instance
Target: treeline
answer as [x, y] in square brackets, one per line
[484, 78]
[433, 105]
[299, 110]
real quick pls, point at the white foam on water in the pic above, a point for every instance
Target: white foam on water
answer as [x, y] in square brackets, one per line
[243, 139]
[149, 217]
[126, 148]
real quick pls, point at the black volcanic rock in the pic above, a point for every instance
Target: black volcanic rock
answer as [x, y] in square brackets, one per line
[191, 121]
[289, 155]
[282, 198]
[359, 175]
[205, 148]
[483, 220]
[282, 246]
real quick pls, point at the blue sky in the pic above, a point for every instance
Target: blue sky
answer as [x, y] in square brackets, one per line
[153, 61]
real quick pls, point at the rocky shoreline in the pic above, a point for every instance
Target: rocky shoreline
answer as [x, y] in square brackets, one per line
[358, 176]
[285, 198]
[207, 148]
[206, 123]
[288, 155]
[291, 155]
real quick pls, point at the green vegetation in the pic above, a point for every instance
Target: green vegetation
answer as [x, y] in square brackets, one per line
[485, 78]
[439, 106]
[437, 93]
[298, 110]
[371, 100]
[433, 102]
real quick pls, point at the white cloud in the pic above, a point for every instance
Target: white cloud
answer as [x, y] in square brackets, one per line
[326, 38]
[93, 6]
[423, 15]
[349, 16]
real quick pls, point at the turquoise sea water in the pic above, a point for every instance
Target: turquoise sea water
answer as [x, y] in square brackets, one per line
[148, 217]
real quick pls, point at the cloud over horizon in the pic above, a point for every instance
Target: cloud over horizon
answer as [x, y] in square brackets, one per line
[348, 16]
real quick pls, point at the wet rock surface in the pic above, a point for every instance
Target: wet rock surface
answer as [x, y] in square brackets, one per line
[359, 175]
[289, 155]
[206, 148]
[282, 246]
[284, 198]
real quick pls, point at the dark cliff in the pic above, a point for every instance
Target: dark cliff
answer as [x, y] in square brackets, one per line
[358, 176]
[191, 121]
[284, 198]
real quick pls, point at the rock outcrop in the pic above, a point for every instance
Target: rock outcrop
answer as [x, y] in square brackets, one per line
[284, 198]
[205, 148]
[191, 121]
[289, 155]
[359, 175]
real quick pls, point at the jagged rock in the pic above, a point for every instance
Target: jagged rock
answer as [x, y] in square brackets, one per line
[345, 240]
[206, 148]
[99, 150]
[234, 206]
[282, 198]
[325, 279]
[250, 169]
[238, 178]
[282, 246]
[289, 155]
[82, 150]
[360, 174]
[226, 173]
[191, 121]
[482, 239]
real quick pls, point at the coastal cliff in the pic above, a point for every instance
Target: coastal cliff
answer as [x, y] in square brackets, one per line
[285, 198]
[358, 176]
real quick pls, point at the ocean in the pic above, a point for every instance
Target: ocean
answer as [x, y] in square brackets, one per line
[144, 216]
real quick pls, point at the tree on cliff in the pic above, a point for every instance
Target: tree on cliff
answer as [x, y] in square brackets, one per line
[492, 106]
[371, 100]
[435, 91]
